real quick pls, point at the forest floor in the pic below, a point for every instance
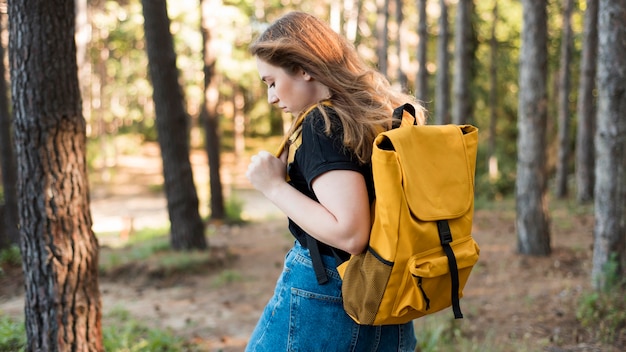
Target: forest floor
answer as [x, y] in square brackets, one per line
[511, 302]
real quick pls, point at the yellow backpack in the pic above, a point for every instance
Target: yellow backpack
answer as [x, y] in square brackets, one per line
[421, 250]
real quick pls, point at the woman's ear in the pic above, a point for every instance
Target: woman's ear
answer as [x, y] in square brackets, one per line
[306, 76]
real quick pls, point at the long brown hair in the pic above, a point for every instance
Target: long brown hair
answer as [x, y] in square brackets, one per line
[361, 96]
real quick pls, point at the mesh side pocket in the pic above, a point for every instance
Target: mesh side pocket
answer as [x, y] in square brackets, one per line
[364, 283]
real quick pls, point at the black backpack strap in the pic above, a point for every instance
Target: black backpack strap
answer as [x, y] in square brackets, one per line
[446, 238]
[398, 114]
[316, 258]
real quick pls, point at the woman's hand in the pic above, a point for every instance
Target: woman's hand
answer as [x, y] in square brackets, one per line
[266, 172]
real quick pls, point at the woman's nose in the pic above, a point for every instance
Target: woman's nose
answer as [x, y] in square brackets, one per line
[272, 98]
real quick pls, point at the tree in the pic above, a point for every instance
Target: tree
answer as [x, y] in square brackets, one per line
[382, 34]
[610, 187]
[59, 249]
[492, 162]
[585, 158]
[532, 221]
[208, 112]
[187, 228]
[402, 78]
[562, 165]
[462, 109]
[442, 88]
[9, 234]
[421, 82]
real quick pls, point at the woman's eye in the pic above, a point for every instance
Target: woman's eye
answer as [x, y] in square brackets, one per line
[272, 85]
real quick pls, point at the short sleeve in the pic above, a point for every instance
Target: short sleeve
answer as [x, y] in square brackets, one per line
[321, 152]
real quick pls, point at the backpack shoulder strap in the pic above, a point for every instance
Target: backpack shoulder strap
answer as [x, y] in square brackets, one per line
[295, 135]
[404, 115]
[290, 143]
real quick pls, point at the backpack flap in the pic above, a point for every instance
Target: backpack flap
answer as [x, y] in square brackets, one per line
[438, 172]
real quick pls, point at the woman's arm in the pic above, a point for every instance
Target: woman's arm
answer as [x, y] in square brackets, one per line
[341, 218]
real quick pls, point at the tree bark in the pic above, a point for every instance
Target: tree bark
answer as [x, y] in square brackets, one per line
[187, 228]
[9, 234]
[463, 42]
[421, 89]
[59, 249]
[562, 165]
[585, 150]
[442, 88]
[209, 13]
[532, 221]
[610, 187]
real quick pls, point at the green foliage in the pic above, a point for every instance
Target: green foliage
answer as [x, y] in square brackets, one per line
[234, 209]
[149, 251]
[11, 256]
[227, 277]
[121, 333]
[125, 334]
[12, 335]
[441, 333]
[604, 310]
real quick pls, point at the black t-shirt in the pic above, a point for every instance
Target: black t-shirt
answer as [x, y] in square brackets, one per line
[318, 154]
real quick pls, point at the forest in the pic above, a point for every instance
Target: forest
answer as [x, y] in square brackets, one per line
[126, 128]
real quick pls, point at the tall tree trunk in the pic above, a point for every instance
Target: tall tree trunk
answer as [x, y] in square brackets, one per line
[402, 78]
[59, 249]
[9, 234]
[187, 229]
[585, 150]
[463, 39]
[382, 34]
[493, 96]
[562, 165]
[442, 88]
[532, 221]
[610, 187]
[421, 82]
[209, 11]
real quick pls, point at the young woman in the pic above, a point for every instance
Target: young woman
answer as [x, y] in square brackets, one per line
[326, 188]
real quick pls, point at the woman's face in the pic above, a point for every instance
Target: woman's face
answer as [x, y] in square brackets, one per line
[291, 93]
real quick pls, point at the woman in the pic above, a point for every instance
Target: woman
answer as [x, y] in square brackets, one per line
[326, 190]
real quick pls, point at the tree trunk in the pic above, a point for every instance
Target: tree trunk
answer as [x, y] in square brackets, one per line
[562, 164]
[442, 88]
[585, 150]
[382, 36]
[610, 187]
[59, 249]
[493, 97]
[532, 221]
[9, 234]
[421, 89]
[187, 229]
[209, 12]
[402, 78]
[464, 55]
